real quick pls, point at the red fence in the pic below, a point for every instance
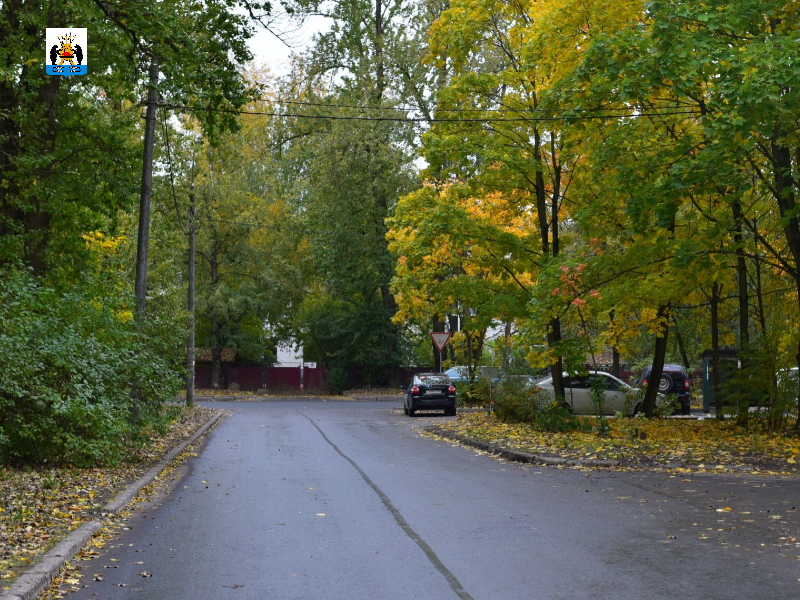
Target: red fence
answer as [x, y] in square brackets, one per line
[270, 378]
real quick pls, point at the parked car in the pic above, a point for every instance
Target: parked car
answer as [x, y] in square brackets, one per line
[458, 374]
[524, 381]
[577, 393]
[430, 391]
[674, 380]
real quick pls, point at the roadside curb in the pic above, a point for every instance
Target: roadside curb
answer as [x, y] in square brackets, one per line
[38, 576]
[526, 457]
[385, 398]
[519, 456]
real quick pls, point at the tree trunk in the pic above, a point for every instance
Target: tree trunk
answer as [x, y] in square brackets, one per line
[143, 239]
[557, 366]
[507, 347]
[614, 351]
[38, 217]
[719, 401]
[762, 316]
[741, 276]
[785, 196]
[216, 345]
[453, 323]
[216, 363]
[682, 348]
[9, 131]
[657, 368]
[542, 209]
[190, 301]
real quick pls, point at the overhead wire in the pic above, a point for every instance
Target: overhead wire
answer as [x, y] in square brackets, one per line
[563, 117]
[280, 228]
[406, 108]
[185, 228]
[281, 102]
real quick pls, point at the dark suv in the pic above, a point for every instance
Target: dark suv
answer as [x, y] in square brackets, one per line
[674, 380]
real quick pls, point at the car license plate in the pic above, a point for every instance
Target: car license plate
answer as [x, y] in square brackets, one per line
[433, 393]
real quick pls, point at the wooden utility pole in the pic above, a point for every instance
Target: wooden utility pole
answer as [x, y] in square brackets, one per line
[190, 303]
[143, 239]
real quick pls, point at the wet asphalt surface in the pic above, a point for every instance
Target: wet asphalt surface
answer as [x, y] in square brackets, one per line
[343, 500]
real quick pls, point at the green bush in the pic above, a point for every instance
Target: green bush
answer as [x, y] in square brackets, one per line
[668, 406]
[517, 403]
[79, 379]
[556, 417]
[476, 392]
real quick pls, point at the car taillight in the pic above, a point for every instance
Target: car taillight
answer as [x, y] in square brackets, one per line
[686, 384]
[451, 389]
[415, 390]
[644, 381]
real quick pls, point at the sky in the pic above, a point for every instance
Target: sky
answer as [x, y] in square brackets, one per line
[267, 49]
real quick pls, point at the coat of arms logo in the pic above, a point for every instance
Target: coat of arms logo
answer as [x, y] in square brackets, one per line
[66, 51]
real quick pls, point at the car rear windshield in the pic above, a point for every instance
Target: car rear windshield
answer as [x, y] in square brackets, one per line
[434, 379]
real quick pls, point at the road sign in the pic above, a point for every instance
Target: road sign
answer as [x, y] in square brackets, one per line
[310, 365]
[440, 339]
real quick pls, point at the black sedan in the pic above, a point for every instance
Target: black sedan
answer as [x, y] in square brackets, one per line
[430, 391]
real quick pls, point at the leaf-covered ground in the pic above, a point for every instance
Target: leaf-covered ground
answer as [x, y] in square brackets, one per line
[38, 507]
[678, 444]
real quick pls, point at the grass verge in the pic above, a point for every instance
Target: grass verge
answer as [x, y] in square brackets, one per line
[40, 506]
[699, 445]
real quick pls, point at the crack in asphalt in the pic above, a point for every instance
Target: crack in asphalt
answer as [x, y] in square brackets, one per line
[452, 581]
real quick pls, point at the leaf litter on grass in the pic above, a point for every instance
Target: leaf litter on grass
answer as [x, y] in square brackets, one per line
[679, 444]
[40, 506]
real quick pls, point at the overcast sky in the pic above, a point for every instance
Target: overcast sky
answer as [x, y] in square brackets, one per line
[267, 49]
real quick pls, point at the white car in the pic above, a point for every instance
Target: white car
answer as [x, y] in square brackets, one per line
[578, 397]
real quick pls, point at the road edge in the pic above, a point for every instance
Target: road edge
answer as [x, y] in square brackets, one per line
[38, 576]
[518, 455]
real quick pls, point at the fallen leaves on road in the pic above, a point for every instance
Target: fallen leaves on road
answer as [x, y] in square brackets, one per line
[38, 507]
[680, 445]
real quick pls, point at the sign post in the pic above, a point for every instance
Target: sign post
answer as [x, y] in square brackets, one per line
[440, 341]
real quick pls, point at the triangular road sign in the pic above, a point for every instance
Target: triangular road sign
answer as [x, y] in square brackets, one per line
[440, 339]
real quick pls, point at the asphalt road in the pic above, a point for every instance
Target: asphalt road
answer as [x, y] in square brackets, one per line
[334, 500]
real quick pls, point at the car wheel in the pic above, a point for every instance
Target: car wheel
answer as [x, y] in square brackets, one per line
[450, 412]
[637, 409]
[405, 409]
[411, 410]
[664, 384]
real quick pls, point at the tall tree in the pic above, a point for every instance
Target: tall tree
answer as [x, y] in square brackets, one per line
[67, 142]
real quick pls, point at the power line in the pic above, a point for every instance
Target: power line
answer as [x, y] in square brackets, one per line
[422, 119]
[405, 108]
[171, 175]
[447, 110]
[280, 228]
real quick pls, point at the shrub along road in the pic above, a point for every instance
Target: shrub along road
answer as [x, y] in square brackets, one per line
[309, 499]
